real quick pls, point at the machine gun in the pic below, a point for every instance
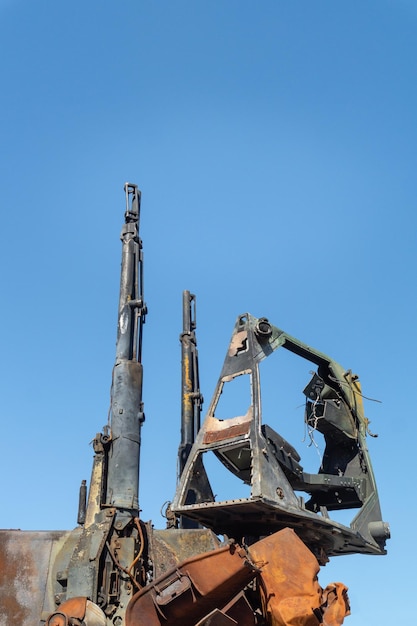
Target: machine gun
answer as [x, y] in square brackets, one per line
[107, 559]
[191, 397]
[116, 570]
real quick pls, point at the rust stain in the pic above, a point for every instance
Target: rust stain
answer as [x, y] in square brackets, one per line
[290, 590]
[24, 563]
[170, 547]
[188, 384]
[74, 608]
[229, 432]
[196, 587]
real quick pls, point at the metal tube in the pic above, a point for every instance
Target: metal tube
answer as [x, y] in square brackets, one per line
[191, 398]
[82, 503]
[126, 393]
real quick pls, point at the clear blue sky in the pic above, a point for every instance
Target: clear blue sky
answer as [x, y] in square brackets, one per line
[275, 146]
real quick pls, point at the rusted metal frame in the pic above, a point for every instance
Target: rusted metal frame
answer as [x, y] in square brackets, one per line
[289, 588]
[271, 479]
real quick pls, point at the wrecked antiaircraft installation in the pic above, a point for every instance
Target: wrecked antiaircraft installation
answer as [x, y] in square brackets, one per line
[115, 569]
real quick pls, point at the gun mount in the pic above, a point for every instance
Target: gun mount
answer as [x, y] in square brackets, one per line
[270, 465]
[116, 570]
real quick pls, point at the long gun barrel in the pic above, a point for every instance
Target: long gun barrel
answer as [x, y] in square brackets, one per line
[191, 398]
[126, 393]
[104, 558]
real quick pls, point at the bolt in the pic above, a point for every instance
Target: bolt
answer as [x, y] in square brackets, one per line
[280, 492]
[117, 621]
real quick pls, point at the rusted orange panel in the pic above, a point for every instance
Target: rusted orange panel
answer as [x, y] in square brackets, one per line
[190, 592]
[335, 604]
[71, 609]
[291, 594]
[77, 611]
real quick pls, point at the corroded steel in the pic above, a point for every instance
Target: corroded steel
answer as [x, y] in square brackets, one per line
[192, 590]
[122, 480]
[169, 547]
[25, 558]
[73, 609]
[183, 575]
[191, 398]
[76, 612]
[213, 588]
[261, 458]
[32, 564]
[290, 591]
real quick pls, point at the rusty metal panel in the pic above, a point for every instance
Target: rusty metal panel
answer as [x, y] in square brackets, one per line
[290, 591]
[217, 618]
[171, 547]
[226, 433]
[191, 591]
[24, 563]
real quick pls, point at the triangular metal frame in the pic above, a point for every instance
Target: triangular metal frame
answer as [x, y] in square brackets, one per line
[262, 458]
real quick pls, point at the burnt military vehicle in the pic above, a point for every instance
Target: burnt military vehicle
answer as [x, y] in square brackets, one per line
[244, 560]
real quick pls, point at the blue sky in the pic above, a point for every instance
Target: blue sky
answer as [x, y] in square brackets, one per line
[275, 146]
